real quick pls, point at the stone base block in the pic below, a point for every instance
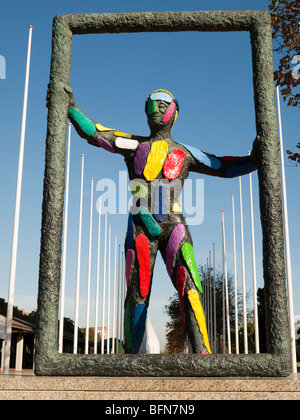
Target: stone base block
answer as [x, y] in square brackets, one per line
[30, 387]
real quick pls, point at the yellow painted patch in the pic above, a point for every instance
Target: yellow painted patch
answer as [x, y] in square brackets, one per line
[156, 159]
[120, 134]
[176, 208]
[100, 127]
[198, 311]
[176, 115]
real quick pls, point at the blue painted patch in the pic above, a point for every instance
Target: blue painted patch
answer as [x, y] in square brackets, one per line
[130, 232]
[138, 321]
[210, 161]
[160, 203]
[238, 170]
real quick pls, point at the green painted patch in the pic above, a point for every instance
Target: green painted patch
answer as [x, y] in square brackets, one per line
[151, 107]
[189, 257]
[149, 222]
[85, 124]
[138, 189]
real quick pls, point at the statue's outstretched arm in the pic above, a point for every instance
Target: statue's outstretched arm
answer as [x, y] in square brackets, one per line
[225, 167]
[98, 135]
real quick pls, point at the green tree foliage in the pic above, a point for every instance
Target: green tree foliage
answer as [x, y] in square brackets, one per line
[286, 33]
[18, 313]
[219, 312]
[176, 334]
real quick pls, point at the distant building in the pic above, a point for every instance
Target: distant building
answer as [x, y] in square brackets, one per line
[99, 331]
[22, 344]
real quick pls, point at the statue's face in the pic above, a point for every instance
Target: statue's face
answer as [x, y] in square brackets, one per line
[156, 111]
[161, 110]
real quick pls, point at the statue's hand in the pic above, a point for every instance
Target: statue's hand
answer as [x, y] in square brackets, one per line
[69, 91]
[255, 148]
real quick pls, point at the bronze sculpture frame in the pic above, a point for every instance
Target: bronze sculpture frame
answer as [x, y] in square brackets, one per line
[275, 363]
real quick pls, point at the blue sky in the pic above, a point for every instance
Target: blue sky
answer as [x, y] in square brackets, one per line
[211, 76]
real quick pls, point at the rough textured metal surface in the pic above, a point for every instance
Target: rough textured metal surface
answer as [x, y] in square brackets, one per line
[278, 361]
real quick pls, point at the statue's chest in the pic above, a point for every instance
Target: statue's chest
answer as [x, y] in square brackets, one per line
[150, 161]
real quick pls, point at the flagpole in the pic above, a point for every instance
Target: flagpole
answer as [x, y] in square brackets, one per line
[97, 279]
[207, 300]
[223, 295]
[254, 268]
[108, 289]
[215, 301]
[114, 298]
[237, 350]
[118, 302]
[287, 242]
[104, 286]
[14, 249]
[204, 290]
[78, 261]
[210, 303]
[89, 273]
[226, 287]
[64, 249]
[122, 299]
[243, 270]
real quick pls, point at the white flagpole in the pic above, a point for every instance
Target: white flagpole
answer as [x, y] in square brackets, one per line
[287, 242]
[87, 325]
[114, 298]
[237, 350]
[108, 289]
[210, 302]
[207, 300]
[14, 249]
[226, 287]
[122, 298]
[104, 286]
[215, 298]
[78, 261]
[64, 249]
[118, 302]
[97, 279]
[254, 268]
[223, 295]
[243, 270]
[204, 293]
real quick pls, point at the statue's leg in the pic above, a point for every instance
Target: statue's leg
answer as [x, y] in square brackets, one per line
[194, 316]
[140, 258]
[182, 268]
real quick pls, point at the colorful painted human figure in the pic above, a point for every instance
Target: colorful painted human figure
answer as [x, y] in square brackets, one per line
[157, 167]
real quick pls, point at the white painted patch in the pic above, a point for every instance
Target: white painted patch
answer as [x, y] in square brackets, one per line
[126, 143]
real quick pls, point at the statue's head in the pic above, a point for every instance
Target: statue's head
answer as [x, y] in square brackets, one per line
[162, 110]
